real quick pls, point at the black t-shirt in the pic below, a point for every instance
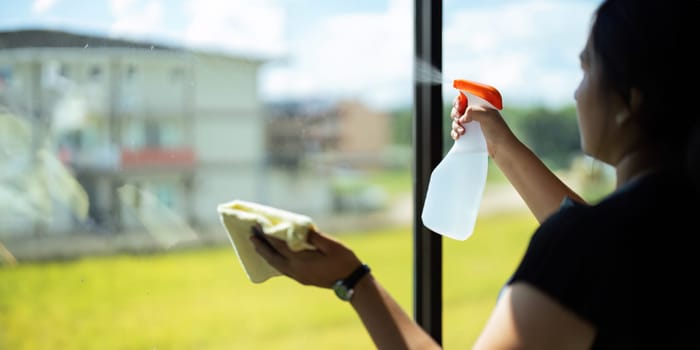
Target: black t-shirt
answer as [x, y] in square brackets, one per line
[627, 264]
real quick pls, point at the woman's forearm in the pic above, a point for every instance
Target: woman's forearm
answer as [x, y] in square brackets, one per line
[388, 325]
[539, 187]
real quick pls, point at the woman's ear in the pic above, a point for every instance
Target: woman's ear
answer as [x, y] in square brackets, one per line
[632, 110]
[635, 101]
[622, 117]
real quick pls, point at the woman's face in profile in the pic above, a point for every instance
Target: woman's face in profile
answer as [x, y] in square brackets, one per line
[596, 107]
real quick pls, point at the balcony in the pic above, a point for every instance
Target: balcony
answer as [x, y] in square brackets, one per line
[157, 158]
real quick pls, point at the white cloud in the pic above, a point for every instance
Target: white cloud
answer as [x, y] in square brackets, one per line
[236, 25]
[528, 50]
[137, 17]
[121, 7]
[363, 55]
[41, 6]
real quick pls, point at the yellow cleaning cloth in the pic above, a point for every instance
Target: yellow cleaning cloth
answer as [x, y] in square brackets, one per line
[238, 217]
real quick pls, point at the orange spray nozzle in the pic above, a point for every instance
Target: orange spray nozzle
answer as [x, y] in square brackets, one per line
[487, 92]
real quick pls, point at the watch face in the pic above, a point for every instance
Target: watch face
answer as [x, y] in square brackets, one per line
[342, 291]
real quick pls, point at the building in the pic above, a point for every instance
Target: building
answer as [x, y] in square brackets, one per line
[340, 140]
[155, 136]
[185, 126]
[346, 134]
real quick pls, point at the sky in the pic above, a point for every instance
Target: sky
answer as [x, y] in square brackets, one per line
[363, 49]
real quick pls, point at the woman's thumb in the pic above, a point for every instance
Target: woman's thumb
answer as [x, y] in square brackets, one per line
[474, 112]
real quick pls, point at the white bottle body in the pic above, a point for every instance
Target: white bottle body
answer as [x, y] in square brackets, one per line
[456, 186]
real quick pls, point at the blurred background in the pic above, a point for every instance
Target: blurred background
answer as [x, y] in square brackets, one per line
[124, 123]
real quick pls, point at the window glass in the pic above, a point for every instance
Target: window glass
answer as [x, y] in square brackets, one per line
[124, 124]
[528, 50]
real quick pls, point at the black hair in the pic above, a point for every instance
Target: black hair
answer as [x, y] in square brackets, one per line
[648, 45]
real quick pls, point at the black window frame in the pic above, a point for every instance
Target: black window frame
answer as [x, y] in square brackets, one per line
[427, 144]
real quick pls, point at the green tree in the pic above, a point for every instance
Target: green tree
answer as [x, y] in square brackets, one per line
[552, 134]
[401, 126]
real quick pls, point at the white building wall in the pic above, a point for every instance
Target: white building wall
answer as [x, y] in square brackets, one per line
[218, 94]
[228, 134]
[226, 84]
[234, 140]
[219, 184]
[156, 83]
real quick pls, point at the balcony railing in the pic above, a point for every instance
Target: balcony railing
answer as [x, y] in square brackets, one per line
[157, 158]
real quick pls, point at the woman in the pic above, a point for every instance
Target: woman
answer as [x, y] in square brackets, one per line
[609, 275]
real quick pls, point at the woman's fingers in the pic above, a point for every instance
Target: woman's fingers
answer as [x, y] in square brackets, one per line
[457, 130]
[321, 267]
[280, 246]
[272, 243]
[455, 113]
[456, 126]
[467, 116]
[269, 254]
[470, 114]
[320, 241]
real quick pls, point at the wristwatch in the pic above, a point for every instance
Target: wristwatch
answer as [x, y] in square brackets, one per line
[345, 288]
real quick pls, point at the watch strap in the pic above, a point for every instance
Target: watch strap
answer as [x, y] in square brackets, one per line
[344, 288]
[355, 276]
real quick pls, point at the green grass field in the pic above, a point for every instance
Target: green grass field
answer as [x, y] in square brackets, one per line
[201, 299]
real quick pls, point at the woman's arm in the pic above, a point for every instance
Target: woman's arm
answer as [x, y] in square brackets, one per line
[539, 187]
[388, 325]
[527, 318]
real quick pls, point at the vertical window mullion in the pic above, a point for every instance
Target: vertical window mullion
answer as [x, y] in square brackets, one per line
[427, 144]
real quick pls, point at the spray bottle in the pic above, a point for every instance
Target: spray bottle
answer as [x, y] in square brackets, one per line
[457, 184]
